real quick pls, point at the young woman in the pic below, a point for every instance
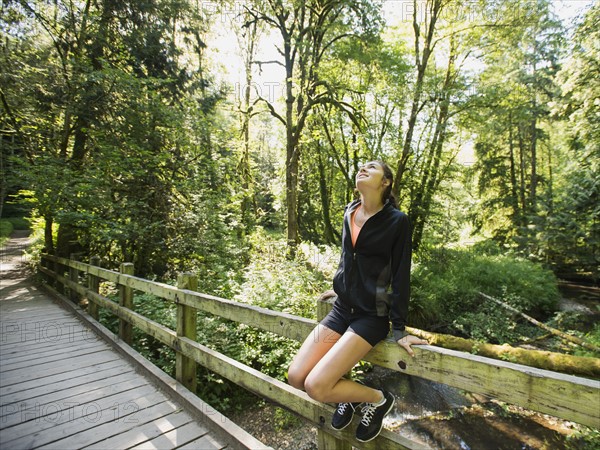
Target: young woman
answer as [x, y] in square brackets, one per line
[372, 286]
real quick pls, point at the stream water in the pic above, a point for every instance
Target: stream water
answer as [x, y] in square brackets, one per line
[442, 417]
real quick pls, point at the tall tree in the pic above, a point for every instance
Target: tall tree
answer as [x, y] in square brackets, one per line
[373, 77]
[307, 31]
[424, 44]
[113, 85]
[443, 38]
[516, 87]
[571, 239]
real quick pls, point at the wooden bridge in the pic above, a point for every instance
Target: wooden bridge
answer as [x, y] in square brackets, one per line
[564, 396]
[63, 386]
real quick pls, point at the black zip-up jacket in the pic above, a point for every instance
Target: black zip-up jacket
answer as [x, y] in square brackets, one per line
[373, 277]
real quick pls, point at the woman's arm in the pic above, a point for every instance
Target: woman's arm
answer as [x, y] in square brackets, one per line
[400, 287]
[401, 261]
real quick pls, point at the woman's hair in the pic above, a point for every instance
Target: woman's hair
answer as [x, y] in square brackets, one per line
[387, 193]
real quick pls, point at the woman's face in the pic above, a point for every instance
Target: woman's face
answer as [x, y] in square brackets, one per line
[370, 176]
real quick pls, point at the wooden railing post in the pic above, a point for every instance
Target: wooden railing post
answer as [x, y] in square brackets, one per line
[185, 368]
[324, 305]
[74, 278]
[46, 263]
[59, 271]
[94, 285]
[326, 441]
[126, 300]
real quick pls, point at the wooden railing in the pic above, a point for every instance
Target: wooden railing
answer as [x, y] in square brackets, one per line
[564, 396]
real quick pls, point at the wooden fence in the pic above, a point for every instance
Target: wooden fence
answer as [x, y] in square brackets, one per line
[564, 396]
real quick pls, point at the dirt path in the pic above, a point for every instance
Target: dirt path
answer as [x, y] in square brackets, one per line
[14, 271]
[12, 259]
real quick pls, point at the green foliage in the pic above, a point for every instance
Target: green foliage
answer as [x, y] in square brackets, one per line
[6, 228]
[163, 312]
[20, 223]
[284, 419]
[584, 439]
[593, 337]
[119, 126]
[571, 239]
[273, 281]
[155, 309]
[206, 238]
[8, 225]
[584, 326]
[112, 133]
[263, 351]
[446, 284]
[572, 236]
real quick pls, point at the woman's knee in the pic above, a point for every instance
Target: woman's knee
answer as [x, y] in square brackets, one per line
[296, 378]
[316, 388]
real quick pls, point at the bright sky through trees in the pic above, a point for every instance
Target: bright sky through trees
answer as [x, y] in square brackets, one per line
[224, 49]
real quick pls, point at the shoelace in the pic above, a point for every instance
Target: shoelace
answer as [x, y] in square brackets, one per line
[368, 411]
[342, 408]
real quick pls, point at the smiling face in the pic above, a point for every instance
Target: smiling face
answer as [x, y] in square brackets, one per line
[371, 176]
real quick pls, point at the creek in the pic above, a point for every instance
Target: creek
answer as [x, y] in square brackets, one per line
[442, 417]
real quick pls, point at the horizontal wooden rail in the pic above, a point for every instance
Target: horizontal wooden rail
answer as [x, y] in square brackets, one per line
[283, 324]
[565, 396]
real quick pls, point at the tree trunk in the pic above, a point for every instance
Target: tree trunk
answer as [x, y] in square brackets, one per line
[248, 206]
[421, 61]
[303, 27]
[48, 239]
[543, 326]
[291, 185]
[513, 169]
[523, 205]
[67, 241]
[291, 152]
[431, 173]
[330, 235]
[557, 362]
[534, 180]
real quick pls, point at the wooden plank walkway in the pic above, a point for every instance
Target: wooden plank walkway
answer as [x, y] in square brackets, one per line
[62, 387]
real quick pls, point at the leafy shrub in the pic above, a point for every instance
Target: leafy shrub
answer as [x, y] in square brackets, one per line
[19, 223]
[593, 337]
[448, 282]
[6, 228]
[271, 280]
[285, 420]
[584, 439]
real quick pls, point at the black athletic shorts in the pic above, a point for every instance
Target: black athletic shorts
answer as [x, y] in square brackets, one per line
[373, 329]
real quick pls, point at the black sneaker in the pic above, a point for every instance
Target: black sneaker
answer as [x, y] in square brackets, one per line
[342, 417]
[372, 420]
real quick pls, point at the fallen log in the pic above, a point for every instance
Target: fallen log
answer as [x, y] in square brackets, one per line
[543, 326]
[557, 362]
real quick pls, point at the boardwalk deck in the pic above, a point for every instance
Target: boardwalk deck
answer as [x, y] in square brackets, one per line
[63, 387]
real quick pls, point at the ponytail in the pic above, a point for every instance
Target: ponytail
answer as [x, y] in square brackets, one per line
[388, 195]
[391, 198]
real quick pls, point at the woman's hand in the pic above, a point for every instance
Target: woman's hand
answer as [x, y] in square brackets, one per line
[409, 340]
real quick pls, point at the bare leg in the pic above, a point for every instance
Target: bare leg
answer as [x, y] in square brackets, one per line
[316, 344]
[324, 382]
